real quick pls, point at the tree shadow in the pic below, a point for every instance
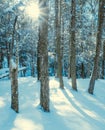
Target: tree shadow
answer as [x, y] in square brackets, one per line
[96, 119]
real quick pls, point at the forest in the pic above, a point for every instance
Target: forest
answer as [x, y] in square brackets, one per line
[59, 47]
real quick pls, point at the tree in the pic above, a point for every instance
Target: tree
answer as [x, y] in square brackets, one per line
[72, 45]
[98, 45]
[14, 72]
[103, 61]
[1, 57]
[43, 43]
[58, 41]
[38, 59]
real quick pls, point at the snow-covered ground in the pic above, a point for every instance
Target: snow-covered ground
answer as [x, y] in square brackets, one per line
[70, 110]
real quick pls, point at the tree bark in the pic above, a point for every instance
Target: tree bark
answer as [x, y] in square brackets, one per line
[103, 62]
[14, 89]
[73, 48]
[33, 60]
[44, 79]
[98, 46]
[38, 59]
[14, 73]
[58, 41]
[82, 70]
[1, 57]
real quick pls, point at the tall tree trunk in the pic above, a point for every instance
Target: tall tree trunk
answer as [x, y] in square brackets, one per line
[14, 87]
[82, 70]
[62, 34]
[98, 45]
[38, 58]
[73, 48]
[69, 54]
[58, 42]
[33, 60]
[1, 57]
[69, 67]
[14, 73]
[88, 70]
[44, 79]
[8, 54]
[103, 62]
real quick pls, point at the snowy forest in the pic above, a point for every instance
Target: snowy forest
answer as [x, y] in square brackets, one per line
[52, 64]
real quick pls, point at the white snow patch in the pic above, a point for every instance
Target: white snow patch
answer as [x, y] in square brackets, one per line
[13, 64]
[70, 110]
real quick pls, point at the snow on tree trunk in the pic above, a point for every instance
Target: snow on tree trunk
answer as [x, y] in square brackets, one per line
[101, 14]
[73, 48]
[44, 79]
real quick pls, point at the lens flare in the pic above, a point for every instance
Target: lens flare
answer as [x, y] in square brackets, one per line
[33, 10]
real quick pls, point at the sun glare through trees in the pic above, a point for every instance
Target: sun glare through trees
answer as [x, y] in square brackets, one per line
[33, 10]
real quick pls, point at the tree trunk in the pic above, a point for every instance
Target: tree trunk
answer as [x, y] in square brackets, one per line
[1, 57]
[103, 62]
[38, 59]
[14, 88]
[58, 41]
[73, 48]
[82, 70]
[8, 53]
[98, 46]
[44, 79]
[88, 70]
[14, 73]
[33, 61]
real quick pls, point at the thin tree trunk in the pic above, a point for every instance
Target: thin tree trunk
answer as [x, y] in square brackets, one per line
[82, 70]
[44, 79]
[14, 88]
[58, 42]
[33, 61]
[98, 46]
[103, 62]
[69, 57]
[1, 57]
[38, 59]
[14, 74]
[73, 48]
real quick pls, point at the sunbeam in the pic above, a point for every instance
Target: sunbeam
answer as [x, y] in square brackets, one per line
[33, 10]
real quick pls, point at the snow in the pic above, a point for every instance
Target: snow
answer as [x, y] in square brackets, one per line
[13, 64]
[5, 72]
[9, 9]
[69, 110]
[4, 75]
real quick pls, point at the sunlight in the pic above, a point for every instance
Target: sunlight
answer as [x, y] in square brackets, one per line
[33, 10]
[26, 124]
[2, 104]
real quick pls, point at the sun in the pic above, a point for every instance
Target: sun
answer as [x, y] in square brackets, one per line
[33, 10]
